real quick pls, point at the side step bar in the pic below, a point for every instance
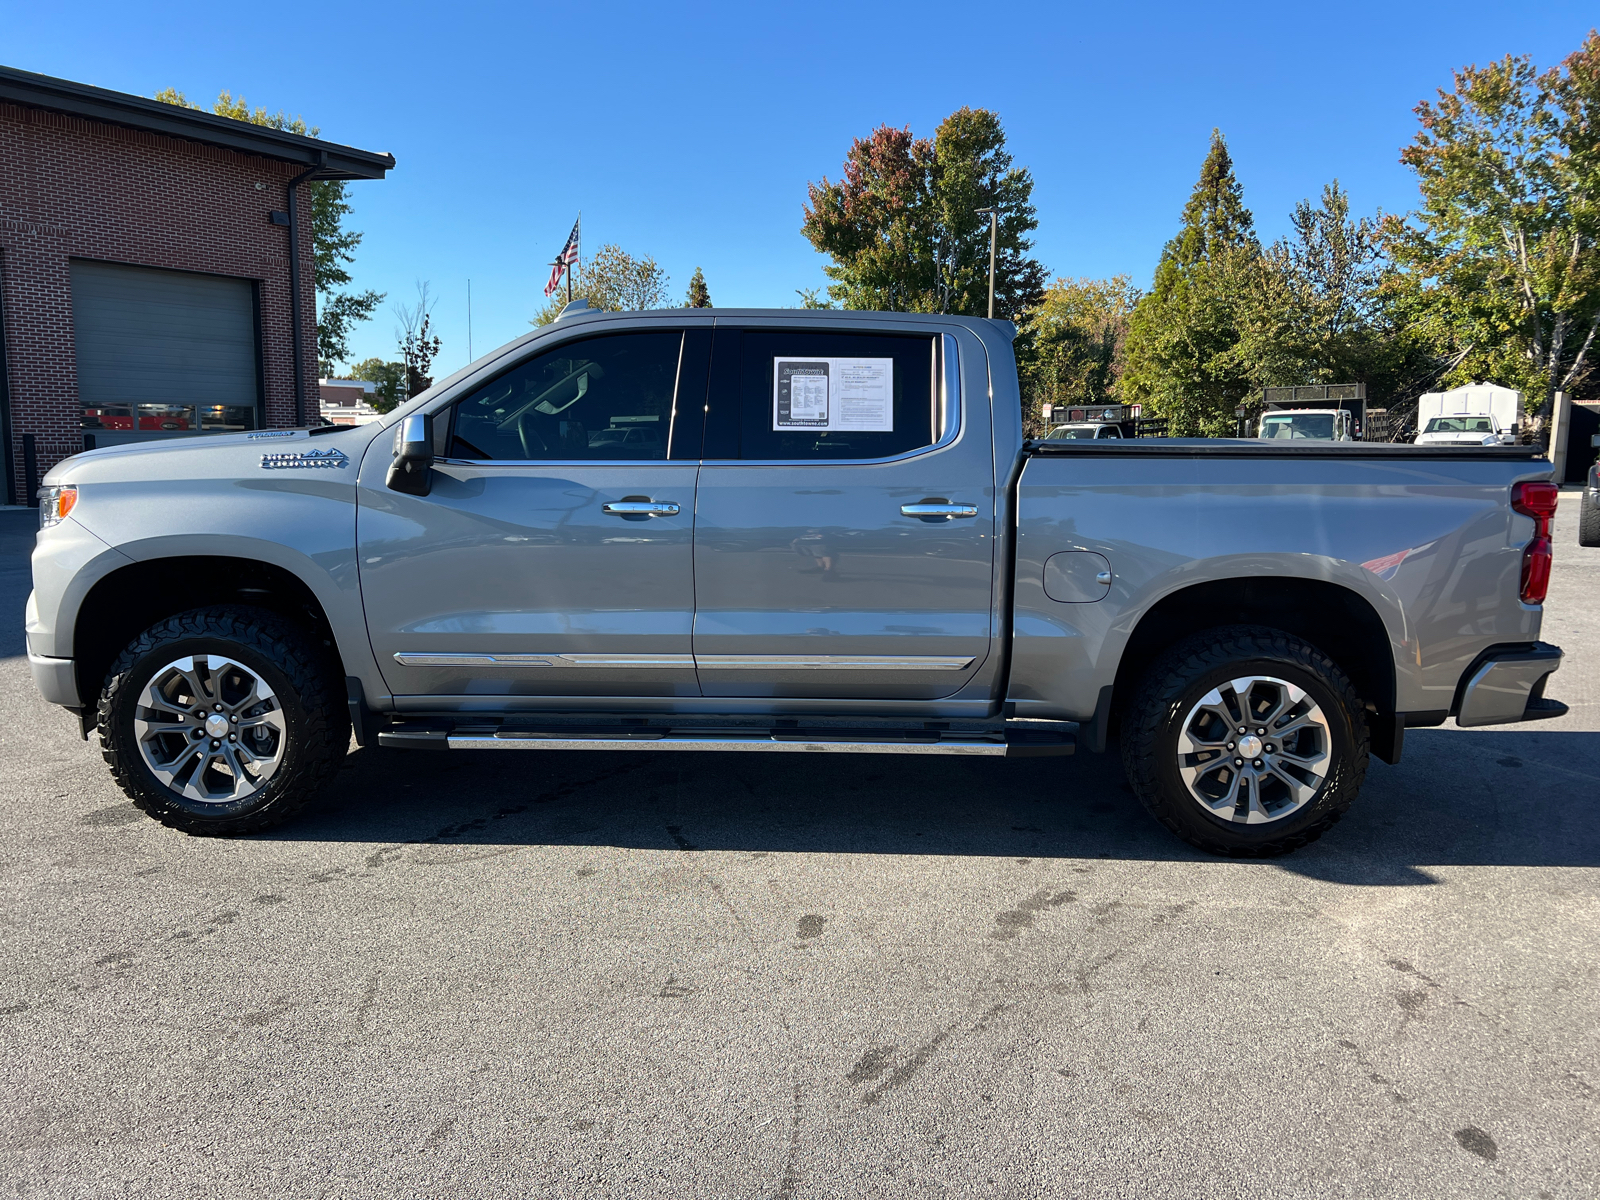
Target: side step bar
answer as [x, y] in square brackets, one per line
[1007, 744]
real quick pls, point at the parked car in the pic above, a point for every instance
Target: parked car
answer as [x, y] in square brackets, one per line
[1465, 431]
[1083, 431]
[1475, 414]
[841, 544]
[1589, 515]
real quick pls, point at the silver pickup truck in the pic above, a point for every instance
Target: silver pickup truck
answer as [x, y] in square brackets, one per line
[783, 531]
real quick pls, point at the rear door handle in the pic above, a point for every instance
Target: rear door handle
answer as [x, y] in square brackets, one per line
[640, 508]
[939, 510]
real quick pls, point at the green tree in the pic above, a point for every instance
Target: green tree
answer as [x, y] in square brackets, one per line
[615, 281]
[333, 246]
[1184, 356]
[1502, 260]
[1071, 345]
[699, 295]
[390, 378]
[901, 226]
[418, 344]
[1320, 309]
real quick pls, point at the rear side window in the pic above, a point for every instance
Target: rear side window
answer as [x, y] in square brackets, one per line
[603, 398]
[815, 395]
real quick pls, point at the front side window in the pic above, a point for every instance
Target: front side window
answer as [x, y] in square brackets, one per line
[606, 398]
[814, 395]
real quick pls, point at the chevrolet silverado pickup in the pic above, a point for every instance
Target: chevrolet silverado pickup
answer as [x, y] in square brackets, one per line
[783, 531]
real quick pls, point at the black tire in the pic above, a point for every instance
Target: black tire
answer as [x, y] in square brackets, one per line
[1589, 518]
[1178, 680]
[303, 678]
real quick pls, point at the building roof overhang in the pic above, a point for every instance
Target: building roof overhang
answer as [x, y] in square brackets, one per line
[324, 160]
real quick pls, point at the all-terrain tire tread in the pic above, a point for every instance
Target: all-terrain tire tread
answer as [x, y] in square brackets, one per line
[1588, 521]
[1164, 684]
[322, 738]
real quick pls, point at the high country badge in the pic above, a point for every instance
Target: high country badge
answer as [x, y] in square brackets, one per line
[306, 460]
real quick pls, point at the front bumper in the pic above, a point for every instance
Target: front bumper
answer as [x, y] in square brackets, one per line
[1506, 684]
[56, 679]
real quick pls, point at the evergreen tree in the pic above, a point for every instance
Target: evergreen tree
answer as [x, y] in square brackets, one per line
[699, 296]
[1184, 354]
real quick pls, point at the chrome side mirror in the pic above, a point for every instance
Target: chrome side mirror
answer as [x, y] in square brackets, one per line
[412, 469]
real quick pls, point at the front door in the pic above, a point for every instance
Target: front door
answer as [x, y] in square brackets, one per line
[553, 555]
[844, 542]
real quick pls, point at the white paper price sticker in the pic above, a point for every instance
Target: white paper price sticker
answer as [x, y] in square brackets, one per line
[833, 394]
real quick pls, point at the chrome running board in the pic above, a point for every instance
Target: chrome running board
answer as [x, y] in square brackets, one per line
[782, 742]
[1000, 743]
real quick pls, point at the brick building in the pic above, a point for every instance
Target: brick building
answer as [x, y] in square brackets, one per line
[147, 288]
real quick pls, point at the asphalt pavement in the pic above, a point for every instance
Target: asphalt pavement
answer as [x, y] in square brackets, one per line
[727, 976]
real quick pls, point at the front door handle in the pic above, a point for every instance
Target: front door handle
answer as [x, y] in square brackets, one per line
[640, 508]
[947, 511]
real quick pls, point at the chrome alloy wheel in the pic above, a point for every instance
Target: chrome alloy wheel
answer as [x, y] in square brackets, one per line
[1254, 750]
[210, 728]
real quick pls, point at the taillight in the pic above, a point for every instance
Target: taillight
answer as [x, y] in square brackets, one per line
[1536, 571]
[1536, 500]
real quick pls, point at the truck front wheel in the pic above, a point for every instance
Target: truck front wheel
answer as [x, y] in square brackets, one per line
[1245, 741]
[222, 720]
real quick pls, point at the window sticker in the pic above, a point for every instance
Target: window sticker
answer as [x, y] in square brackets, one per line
[825, 394]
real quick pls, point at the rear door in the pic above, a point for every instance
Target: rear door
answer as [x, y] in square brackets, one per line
[553, 555]
[845, 526]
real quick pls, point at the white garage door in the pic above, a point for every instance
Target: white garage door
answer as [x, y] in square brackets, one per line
[163, 353]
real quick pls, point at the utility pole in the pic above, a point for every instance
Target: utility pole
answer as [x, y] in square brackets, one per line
[469, 320]
[994, 220]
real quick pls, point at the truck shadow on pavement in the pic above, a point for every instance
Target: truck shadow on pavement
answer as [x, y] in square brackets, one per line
[1525, 797]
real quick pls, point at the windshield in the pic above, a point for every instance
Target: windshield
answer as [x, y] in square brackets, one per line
[1063, 433]
[1459, 425]
[1299, 425]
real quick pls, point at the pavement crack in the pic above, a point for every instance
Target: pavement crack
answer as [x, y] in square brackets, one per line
[791, 1175]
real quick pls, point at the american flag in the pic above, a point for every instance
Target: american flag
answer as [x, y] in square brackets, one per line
[565, 260]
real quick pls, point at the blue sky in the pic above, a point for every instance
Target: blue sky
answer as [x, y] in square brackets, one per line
[689, 131]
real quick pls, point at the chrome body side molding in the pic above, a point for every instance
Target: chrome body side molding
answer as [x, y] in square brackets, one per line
[631, 661]
[717, 662]
[833, 662]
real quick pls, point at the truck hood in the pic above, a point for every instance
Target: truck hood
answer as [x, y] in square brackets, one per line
[221, 456]
[1458, 439]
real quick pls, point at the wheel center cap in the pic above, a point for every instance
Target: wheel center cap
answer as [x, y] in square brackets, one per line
[1250, 746]
[216, 726]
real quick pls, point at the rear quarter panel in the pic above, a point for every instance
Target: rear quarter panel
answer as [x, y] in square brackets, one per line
[1434, 548]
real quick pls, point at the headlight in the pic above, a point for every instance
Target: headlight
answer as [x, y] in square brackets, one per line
[56, 502]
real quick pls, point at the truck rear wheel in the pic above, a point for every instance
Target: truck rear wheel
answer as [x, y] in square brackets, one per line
[222, 720]
[1245, 741]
